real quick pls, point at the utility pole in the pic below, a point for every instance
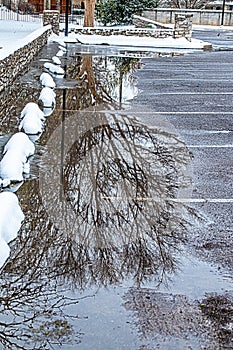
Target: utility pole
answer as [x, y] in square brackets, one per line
[223, 11]
[67, 18]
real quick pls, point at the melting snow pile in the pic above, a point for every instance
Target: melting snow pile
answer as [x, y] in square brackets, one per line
[32, 108]
[10, 222]
[54, 68]
[56, 60]
[15, 161]
[47, 81]
[12, 167]
[32, 119]
[21, 143]
[47, 97]
[15, 158]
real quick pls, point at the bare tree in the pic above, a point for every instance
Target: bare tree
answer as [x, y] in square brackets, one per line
[89, 12]
[189, 4]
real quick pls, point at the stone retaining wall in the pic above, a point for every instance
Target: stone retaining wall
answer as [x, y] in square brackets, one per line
[143, 22]
[12, 65]
[204, 17]
[182, 26]
[52, 17]
[153, 33]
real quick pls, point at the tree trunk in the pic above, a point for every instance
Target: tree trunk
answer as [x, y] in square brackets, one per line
[89, 13]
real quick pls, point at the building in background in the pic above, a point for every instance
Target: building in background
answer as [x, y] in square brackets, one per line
[38, 6]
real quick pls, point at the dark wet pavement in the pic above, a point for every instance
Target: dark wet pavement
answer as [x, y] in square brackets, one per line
[194, 94]
[128, 209]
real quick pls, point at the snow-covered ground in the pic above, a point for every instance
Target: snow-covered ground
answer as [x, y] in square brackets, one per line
[209, 27]
[12, 33]
[121, 40]
[134, 41]
[14, 30]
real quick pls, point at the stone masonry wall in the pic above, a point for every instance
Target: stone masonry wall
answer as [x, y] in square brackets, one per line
[143, 22]
[182, 26]
[14, 64]
[52, 17]
[147, 28]
[153, 33]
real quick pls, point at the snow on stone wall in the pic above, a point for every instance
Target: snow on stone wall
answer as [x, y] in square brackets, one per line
[139, 32]
[17, 61]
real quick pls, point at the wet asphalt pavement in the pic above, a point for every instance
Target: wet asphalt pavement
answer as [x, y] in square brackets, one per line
[189, 95]
[194, 92]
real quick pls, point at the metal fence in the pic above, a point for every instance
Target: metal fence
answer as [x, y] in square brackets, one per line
[17, 15]
[78, 20]
[74, 19]
[35, 14]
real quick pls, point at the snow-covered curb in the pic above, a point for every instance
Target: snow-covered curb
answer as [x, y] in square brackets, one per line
[146, 42]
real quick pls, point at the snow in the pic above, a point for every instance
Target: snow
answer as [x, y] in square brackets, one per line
[146, 42]
[60, 53]
[4, 252]
[10, 222]
[48, 111]
[54, 68]
[70, 39]
[47, 97]
[12, 166]
[31, 124]
[32, 119]
[56, 60]
[129, 91]
[32, 109]
[15, 159]
[21, 144]
[47, 81]
[62, 48]
[26, 168]
[15, 35]
[5, 182]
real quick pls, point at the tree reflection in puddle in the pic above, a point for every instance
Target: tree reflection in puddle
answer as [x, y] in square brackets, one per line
[33, 307]
[102, 80]
[115, 205]
[102, 211]
[112, 216]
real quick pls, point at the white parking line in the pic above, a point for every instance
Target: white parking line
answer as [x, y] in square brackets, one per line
[194, 93]
[169, 113]
[189, 79]
[210, 146]
[176, 200]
